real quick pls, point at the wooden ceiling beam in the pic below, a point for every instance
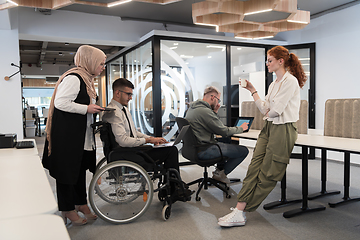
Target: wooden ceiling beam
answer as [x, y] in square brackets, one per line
[228, 16]
[34, 3]
[56, 4]
[6, 6]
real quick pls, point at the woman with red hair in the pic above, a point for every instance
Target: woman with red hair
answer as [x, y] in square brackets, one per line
[277, 138]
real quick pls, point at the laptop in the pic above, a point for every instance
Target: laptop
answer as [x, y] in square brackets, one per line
[242, 120]
[177, 140]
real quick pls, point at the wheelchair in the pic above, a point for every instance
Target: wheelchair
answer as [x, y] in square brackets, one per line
[121, 190]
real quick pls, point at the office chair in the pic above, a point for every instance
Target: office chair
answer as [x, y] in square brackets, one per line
[190, 150]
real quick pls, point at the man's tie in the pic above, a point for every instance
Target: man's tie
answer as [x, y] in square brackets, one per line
[131, 133]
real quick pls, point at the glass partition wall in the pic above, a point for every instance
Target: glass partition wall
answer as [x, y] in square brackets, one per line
[171, 72]
[114, 71]
[138, 70]
[246, 63]
[187, 68]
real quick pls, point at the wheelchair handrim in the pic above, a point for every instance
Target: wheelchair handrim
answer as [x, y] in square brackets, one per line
[107, 167]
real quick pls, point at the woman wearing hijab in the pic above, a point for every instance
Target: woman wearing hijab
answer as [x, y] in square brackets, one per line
[70, 145]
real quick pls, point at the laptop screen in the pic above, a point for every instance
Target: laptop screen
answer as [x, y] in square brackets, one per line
[242, 120]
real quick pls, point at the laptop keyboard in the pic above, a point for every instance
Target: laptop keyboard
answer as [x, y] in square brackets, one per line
[25, 144]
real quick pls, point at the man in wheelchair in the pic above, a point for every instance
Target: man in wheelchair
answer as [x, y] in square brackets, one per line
[126, 136]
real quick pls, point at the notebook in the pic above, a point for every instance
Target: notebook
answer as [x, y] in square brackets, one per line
[242, 120]
[177, 140]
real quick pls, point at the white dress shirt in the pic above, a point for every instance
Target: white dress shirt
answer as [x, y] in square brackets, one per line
[282, 101]
[67, 92]
[120, 126]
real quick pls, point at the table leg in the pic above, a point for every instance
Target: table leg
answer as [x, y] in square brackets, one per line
[39, 127]
[283, 201]
[305, 173]
[38, 130]
[323, 192]
[346, 197]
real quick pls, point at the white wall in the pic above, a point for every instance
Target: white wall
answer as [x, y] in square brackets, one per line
[5, 20]
[337, 55]
[210, 72]
[10, 91]
[337, 37]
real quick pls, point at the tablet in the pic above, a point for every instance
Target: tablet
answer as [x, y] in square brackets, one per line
[109, 109]
[242, 120]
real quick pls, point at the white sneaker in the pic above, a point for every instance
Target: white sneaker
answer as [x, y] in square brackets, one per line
[231, 209]
[235, 218]
[220, 176]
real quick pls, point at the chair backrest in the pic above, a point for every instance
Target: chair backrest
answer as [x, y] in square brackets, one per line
[113, 151]
[188, 139]
[302, 123]
[342, 118]
[191, 147]
[249, 109]
[108, 138]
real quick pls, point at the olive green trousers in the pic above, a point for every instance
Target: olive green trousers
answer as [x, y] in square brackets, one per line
[268, 164]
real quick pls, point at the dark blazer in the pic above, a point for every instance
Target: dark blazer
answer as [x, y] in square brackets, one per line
[67, 140]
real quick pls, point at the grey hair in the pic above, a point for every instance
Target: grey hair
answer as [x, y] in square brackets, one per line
[211, 89]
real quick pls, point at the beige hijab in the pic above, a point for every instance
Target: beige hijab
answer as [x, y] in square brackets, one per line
[87, 59]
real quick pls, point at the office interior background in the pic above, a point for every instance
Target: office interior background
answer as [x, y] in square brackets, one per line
[335, 33]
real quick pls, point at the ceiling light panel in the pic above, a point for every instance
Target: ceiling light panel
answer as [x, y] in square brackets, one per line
[252, 18]
[267, 17]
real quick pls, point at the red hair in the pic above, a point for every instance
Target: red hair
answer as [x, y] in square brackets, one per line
[291, 63]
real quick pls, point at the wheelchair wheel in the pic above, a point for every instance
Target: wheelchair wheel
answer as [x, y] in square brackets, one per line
[100, 164]
[120, 192]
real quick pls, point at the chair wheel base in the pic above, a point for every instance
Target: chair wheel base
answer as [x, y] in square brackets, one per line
[166, 212]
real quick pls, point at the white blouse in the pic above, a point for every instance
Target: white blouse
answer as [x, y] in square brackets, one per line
[67, 92]
[282, 101]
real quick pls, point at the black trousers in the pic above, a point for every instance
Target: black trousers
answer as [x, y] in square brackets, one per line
[167, 155]
[69, 195]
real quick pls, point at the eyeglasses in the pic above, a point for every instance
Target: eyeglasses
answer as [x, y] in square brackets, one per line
[128, 93]
[217, 98]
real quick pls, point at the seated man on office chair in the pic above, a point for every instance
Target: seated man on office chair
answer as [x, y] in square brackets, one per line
[126, 135]
[204, 121]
